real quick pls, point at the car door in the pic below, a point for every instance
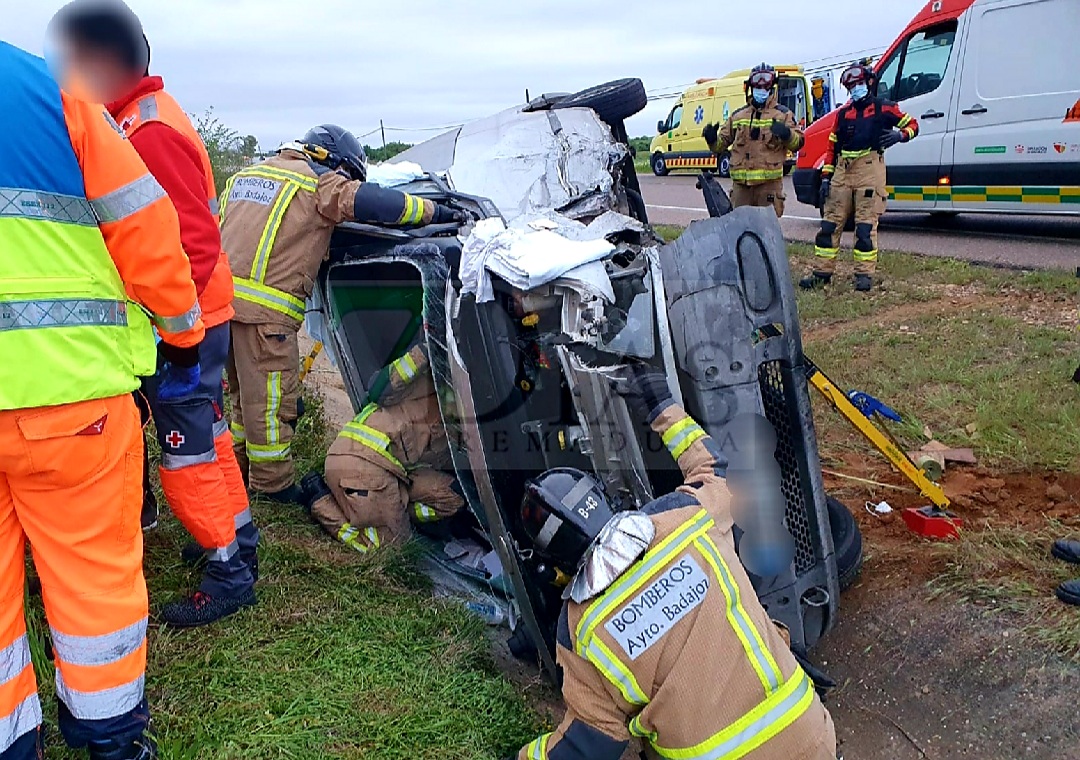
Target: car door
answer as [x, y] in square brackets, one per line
[1015, 148]
[920, 75]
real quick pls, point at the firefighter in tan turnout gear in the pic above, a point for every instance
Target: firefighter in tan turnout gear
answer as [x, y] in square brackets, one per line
[759, 137]
[853, 179]
[662, 636]
[390, 465]
[276, 221]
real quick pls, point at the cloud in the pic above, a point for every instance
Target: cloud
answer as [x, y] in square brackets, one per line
[273, 68]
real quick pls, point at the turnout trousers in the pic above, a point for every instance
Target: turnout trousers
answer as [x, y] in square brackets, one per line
[858, 187]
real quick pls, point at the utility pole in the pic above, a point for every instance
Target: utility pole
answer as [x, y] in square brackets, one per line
[383, 130]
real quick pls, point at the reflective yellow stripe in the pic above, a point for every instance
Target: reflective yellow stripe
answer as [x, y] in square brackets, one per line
[374, 439]
[406, 368]
[273, 407]
[854, 155]
[680, 436]
[424, 513]
[373, 537]
[237, 430]
[275, 452]
[759, 123]
[754, 646]
[538, 749]
[833, 138]
[310, 184]
[826, 253]
[349, 536]
[743, 175]
[225, 198]
[270, 298]
[414, 210]
[865, 255]
[904, 122]
[270, 232]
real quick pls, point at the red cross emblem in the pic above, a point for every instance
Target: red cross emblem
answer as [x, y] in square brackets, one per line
[175, 439]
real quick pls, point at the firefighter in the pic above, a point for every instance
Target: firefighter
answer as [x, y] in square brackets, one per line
[276, 222]
[662, 636]
[88, 240]
[199, 473]
[759, 137]
[389, 466]
[853, 178]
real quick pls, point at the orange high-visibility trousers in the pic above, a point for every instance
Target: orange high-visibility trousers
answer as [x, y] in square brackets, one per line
[71, 484]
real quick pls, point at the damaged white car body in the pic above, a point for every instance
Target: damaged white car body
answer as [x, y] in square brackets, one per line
[524, 368]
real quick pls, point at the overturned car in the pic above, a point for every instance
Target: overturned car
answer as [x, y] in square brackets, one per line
[523, 365]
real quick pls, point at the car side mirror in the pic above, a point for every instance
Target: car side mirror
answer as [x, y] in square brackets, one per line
[661, 126]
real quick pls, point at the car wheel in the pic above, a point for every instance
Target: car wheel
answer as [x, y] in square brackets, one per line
[724, 166]
[613, 102]
[659, 165]
[847, 543]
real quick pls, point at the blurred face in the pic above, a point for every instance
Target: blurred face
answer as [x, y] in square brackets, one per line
[95, 74]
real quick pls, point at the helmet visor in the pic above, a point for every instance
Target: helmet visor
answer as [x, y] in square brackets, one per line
[762, 80]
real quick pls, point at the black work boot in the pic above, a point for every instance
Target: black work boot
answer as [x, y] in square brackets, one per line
[291, 495]
[1069, 592]
[314, 488]
[193, 555]
[1066, 550]
[202, 609]
[149, 518]
[815, 280]
[863, 283]
[140, 749]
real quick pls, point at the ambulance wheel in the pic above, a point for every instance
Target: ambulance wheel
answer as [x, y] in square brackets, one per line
[724, 166]
[659, 165]
[613, 102]
[847, 543]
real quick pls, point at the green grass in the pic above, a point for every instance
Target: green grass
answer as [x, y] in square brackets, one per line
[642, 163]
[344, 657]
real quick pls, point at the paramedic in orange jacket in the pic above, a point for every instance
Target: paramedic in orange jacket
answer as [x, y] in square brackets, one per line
[88, 240]
[199, 473]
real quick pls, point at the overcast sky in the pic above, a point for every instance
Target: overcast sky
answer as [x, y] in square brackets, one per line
[274, 68]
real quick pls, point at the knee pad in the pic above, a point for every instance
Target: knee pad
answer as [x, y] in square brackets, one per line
[864, 240]
[824, 238]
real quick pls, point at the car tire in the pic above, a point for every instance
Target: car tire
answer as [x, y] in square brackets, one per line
[847, 543]
[723, 166]
[613, 102]
[659, 165]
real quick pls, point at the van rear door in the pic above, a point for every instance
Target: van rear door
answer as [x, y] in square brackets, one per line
[921, 75]
[1014, 148]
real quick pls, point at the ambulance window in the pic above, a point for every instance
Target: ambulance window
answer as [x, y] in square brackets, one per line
[676, 118]
[924, 64]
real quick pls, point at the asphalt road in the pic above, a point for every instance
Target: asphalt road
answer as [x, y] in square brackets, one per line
[1005, 240]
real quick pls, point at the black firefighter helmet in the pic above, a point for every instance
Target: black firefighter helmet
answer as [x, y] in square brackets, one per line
[336, 148]
[562, 513]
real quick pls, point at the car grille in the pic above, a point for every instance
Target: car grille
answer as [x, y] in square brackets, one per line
[788, 432]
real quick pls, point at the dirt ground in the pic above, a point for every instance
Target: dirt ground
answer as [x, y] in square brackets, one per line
[920, 678]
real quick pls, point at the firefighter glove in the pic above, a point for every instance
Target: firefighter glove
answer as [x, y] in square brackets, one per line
[711, 133]
[823, 194]
[645, 389]
[781, 130]
[447, 215]
[891, 137]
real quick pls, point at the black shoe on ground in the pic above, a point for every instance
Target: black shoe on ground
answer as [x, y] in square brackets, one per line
[149, 517]
[863, 283]
[314, 488]
[815, 280]
[202, 609]
[291, 495]
[142, 749]
[1069, 592]
[1066, 550]
[194, 556]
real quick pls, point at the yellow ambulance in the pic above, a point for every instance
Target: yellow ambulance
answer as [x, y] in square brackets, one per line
[679, 144]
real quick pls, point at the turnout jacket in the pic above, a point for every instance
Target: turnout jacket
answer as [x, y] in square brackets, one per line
[276, 221]
[859, 127]
[678, 651]
[757, 155]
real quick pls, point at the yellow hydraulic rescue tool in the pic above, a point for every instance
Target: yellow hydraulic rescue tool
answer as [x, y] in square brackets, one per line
[862, 411]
